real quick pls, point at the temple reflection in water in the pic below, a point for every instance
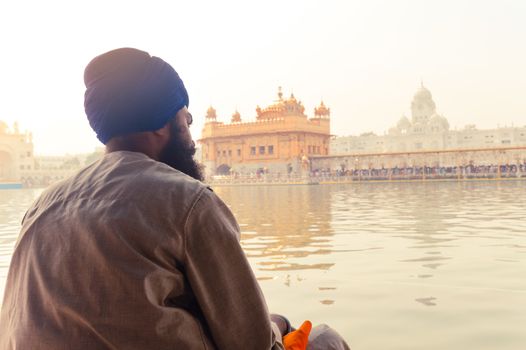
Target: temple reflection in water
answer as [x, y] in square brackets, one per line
[281, 226]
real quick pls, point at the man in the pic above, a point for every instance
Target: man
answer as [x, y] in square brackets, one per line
[134, 252]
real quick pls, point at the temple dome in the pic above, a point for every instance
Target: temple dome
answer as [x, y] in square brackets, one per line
[403, 123]
[394, 131]
[211, 113]
[445, 122]
[438, 123]
[322, 111]
[435, 119]
[236, 117]
[423, 93]
[422, 107]
[281, 108]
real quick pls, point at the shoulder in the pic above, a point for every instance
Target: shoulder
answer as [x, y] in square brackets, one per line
[210, 213]
[163, 180]
[127, 178]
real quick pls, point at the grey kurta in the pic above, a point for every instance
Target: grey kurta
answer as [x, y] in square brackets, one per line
[132, 254]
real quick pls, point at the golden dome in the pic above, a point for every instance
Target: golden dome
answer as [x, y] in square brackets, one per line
[236, 117]
[211, 113]
[322, 111]
[281, 108]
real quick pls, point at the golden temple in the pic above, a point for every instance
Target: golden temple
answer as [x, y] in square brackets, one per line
[280, 140]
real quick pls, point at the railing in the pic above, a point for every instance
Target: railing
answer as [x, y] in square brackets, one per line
[371, 175]
[271, 179]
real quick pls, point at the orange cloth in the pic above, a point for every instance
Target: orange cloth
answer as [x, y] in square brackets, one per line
[298, 339]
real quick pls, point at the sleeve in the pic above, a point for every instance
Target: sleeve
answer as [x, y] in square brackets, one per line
[222, 279]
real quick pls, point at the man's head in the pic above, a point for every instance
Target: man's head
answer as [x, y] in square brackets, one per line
[179, 150]
[137, 102]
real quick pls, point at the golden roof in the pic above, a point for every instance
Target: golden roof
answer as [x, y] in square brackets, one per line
[281, 108]
[211, 113]
[322, 111]
[236, 117]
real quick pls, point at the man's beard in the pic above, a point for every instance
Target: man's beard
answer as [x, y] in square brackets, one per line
[180, 156]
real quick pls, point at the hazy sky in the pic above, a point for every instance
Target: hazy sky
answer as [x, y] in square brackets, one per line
[364, 58]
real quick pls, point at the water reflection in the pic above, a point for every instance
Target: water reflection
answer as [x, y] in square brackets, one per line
[283, 226]
[414, 229]
[13, 205]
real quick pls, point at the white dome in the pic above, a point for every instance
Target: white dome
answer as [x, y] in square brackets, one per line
[403, 123]
[438, 123]
[422, 93]
[435, 119]
[445, 123]
[393, 131]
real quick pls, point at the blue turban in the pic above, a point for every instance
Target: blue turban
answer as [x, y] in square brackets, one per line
[128, 91]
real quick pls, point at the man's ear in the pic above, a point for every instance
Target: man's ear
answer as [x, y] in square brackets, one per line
[164, 131]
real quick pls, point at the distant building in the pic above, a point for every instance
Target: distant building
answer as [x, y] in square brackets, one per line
[280, 140]
[427, 131]
[49, 169]
[16, 153]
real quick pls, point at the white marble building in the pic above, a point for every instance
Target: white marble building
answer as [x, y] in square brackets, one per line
[427, 130]
[19, 165]
[16, 153]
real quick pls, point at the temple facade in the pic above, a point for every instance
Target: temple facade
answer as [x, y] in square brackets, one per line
[427, 131]
[16, 153]
[280, 140]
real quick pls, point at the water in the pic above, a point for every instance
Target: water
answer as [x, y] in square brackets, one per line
[13, 205]
[389, 266]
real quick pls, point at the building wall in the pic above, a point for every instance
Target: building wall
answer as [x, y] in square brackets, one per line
[449, 140]
[16, 153]
[49, 169]
[441, 158]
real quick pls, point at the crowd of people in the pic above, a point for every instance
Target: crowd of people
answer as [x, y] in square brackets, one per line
[419, 172]
[470, 171]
